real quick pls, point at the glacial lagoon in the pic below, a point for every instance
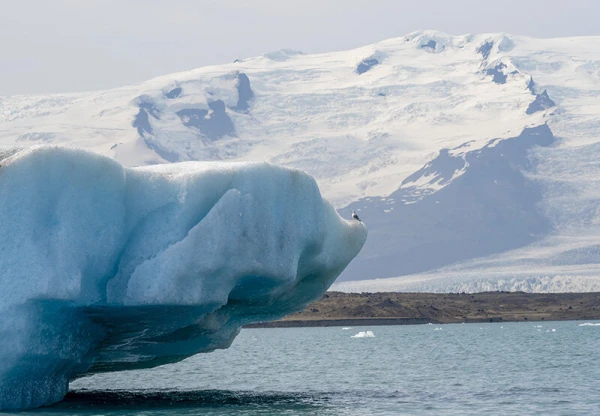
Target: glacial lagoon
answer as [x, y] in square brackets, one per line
[550, 368]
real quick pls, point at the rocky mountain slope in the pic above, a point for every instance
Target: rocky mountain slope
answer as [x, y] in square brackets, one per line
[472, 159]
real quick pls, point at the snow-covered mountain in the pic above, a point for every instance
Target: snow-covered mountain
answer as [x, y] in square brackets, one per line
[472, 159]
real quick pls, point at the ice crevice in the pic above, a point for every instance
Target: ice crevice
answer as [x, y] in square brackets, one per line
[107, 268]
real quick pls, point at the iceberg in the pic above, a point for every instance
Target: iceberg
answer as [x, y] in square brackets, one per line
[108, 268]
[364, 334]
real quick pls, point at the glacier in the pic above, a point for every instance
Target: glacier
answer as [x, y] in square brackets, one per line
[109, 268]
[472, 158]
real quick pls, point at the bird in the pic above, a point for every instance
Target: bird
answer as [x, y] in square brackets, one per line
[355, 216]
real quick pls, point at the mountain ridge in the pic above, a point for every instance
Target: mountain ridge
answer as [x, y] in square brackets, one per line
[392, 120]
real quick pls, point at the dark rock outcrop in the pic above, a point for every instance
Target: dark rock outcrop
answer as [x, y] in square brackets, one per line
[431, 45]
[141, 122]
[542, 102]
[365, 65]
[486, 206]
[174, 93]
[531, 85]
[485, 49]
[497, 73]
[245, 93]
[142, 119]
[212, 125]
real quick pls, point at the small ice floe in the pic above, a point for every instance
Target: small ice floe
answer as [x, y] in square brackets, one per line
[551, 330]
[346, 328]
[364, 334]
[589, 324]
[437, 329]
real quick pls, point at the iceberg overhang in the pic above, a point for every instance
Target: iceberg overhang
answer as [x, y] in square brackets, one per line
[107, 268]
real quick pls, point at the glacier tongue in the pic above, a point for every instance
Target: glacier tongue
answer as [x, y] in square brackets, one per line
[109, 268]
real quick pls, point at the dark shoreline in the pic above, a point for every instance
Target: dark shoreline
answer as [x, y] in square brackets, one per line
[297, 323]
[393, 308]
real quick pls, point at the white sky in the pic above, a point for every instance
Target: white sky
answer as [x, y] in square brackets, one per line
[79, 45]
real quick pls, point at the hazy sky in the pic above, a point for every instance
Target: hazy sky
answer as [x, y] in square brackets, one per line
[78, 45]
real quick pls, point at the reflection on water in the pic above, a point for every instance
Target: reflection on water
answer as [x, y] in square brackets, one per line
[197, 398]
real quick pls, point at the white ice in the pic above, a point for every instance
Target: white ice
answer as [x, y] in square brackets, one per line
[110, 268]
[364, 334]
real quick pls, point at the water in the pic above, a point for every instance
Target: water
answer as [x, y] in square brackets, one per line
[552, 368]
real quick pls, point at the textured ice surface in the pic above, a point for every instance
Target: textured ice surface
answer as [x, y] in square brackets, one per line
[109, 268]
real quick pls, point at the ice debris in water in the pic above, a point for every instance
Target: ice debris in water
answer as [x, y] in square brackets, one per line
[364, 334]
[107, 268]
[589, 324]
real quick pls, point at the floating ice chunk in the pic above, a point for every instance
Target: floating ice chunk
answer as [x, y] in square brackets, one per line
[589, 324]
[105, 268]
[364, 334]
[346, 328]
